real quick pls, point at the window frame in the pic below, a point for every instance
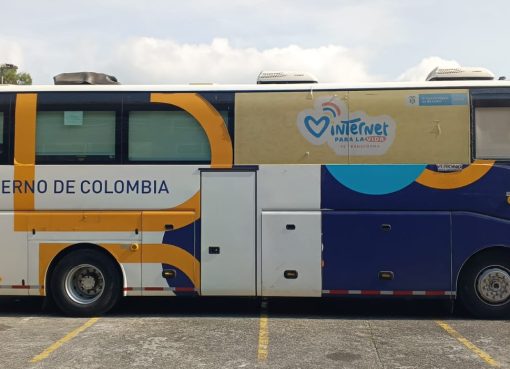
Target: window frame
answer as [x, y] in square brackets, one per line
[81, 101]
[7, 107]
[487, 98]
[140, 101]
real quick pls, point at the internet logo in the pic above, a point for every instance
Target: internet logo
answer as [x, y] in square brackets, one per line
[331, 108]
[317, 126]
[347, 133]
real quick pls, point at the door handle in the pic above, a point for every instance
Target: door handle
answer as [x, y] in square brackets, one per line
[386, 227]
[386, 275]
[290, 274]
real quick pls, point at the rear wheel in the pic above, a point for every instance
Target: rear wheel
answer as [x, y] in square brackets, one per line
[484, 286]
[85, 282]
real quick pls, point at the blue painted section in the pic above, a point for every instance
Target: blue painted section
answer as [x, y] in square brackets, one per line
[182, 237]
[356, 248]
[198, 242]
[485, 196]
[442, 99]
[186, 238]
[375, 179]
[180, 279]
[473, 232]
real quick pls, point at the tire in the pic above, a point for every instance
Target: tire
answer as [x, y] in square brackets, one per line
[85, 283]
[484, 285]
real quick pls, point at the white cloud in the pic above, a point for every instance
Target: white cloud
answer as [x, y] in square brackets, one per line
[146, 60]
[420, 71]
[10, 52]
[151, 60]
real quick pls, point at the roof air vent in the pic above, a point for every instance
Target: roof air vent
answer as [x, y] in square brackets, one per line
[460, 73]
[276, 77]
[85, 78]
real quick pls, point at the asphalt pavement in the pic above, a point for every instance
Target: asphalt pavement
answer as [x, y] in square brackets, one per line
[251, 333]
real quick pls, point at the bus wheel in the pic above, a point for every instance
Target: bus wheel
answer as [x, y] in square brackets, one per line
[484, 286]
[85, 282]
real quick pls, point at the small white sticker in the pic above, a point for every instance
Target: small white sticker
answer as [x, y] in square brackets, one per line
[449, 167]
[73, 118]
[412, 100]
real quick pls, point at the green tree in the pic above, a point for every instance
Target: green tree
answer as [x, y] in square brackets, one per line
[9, 75]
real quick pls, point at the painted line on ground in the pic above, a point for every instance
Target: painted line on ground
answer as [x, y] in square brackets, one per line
[263, 348]
[471, 346]
[43, 355]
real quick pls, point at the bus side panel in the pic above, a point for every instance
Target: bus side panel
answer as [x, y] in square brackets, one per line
[43, 248]
[289, 188]
[13, 263]
[473, 232]
[414, 246]
[228, 239]
[291, 253]
[412, 120]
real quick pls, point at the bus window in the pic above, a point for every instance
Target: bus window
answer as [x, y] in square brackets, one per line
[75, 136]
[166, 136]
[492, 129]
[5, 123]
[2, 125]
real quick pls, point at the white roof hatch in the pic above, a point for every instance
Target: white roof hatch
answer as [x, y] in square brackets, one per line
[282, 77]
[460, 73]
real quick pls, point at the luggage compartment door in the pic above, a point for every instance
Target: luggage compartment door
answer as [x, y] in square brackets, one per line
[291, 253]
[228, 233]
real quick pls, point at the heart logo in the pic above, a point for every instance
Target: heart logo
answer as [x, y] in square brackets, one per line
[316, 126]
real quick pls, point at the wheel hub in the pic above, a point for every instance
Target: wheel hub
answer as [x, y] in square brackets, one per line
[88, 282]
[84, 283]
[493, 285]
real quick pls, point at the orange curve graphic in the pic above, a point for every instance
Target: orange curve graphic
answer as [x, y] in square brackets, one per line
[452, 180]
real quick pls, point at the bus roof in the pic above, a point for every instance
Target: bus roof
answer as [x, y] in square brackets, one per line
[260, 88]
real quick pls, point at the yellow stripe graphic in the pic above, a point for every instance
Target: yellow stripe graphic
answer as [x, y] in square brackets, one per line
[263, 348]
[43, 355]
[471, 346]
[24, 148]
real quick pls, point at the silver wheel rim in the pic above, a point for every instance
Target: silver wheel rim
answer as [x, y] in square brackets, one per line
[84, 284]
[493, 285]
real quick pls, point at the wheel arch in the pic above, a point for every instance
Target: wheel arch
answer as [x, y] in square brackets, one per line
[75, 247]
[503, 249]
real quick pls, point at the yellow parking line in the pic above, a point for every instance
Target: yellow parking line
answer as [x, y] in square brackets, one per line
[263, 333]
[471, 346]
[43, 355]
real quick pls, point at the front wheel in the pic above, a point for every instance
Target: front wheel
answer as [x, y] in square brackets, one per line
[484, 286]
[85, 283]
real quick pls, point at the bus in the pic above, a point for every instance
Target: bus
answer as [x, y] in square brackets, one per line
[272, 189]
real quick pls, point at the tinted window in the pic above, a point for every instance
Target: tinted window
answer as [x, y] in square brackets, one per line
[78, 127]
[75, 135]
[2, 126]
[492, 130]
[5, 129]
[170, 136]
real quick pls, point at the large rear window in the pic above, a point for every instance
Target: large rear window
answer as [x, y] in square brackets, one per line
[492, 130]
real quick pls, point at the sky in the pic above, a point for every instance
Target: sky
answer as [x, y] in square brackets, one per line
[173, 42]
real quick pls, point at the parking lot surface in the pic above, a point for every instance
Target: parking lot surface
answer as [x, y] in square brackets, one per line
[250, 333]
